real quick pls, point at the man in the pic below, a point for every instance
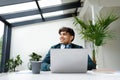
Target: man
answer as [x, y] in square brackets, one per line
[67, 35]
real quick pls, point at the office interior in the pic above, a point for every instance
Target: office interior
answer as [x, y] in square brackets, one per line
[32, 26]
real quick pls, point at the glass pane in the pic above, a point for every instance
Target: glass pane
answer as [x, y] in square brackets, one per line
[1, 38]
[27, 6]
[46, 3]
[53, 14]
[24, 18]
[57, 13]
[18, 7]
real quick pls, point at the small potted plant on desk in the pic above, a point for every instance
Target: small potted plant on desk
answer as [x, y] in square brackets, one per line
[11, 64]
[35, 61]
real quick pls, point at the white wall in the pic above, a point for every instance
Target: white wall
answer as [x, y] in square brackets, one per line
[111, 50]
[38, 38]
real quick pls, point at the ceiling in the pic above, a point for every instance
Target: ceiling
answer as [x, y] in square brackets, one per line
[24, 12]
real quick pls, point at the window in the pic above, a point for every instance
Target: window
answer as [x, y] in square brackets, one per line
[30, 6]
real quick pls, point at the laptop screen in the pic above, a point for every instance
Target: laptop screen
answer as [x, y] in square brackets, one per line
[69, 60]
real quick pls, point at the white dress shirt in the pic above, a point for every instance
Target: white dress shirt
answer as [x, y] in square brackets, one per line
[63, 46]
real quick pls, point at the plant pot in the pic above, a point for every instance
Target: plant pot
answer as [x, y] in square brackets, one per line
[36, 67]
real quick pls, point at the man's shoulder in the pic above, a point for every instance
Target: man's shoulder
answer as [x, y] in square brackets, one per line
[76, 46]
[56, 46]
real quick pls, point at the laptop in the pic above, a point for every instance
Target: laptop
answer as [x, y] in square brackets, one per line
[69, 60]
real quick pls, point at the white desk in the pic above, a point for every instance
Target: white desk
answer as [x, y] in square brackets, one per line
[90, 75]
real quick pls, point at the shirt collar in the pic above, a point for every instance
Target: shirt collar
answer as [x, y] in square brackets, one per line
[63, 46]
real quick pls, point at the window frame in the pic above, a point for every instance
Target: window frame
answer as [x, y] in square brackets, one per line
[5, 47]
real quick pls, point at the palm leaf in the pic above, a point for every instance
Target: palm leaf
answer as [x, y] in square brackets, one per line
[105, 22]
[80, 22]
[97, 32]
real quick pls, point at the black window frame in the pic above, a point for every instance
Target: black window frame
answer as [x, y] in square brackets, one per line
[5, 47]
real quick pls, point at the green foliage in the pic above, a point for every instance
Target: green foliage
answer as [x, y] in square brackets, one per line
[98, 32]
[13, 63]
[0, 44]
[35, 57]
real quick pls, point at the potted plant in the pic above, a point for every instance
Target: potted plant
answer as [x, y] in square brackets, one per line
[35, 60]
[97, 32]
[11, 64]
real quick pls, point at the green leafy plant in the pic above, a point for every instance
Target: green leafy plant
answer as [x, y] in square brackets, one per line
[13, 63]
[34, 57]
[97, 32]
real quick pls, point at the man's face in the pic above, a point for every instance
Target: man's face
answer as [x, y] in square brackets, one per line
[65, 37]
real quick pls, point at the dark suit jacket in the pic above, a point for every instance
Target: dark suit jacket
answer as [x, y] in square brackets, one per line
[45, 65]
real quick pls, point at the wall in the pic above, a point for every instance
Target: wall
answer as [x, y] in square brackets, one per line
[111, 50]
[38, 38]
